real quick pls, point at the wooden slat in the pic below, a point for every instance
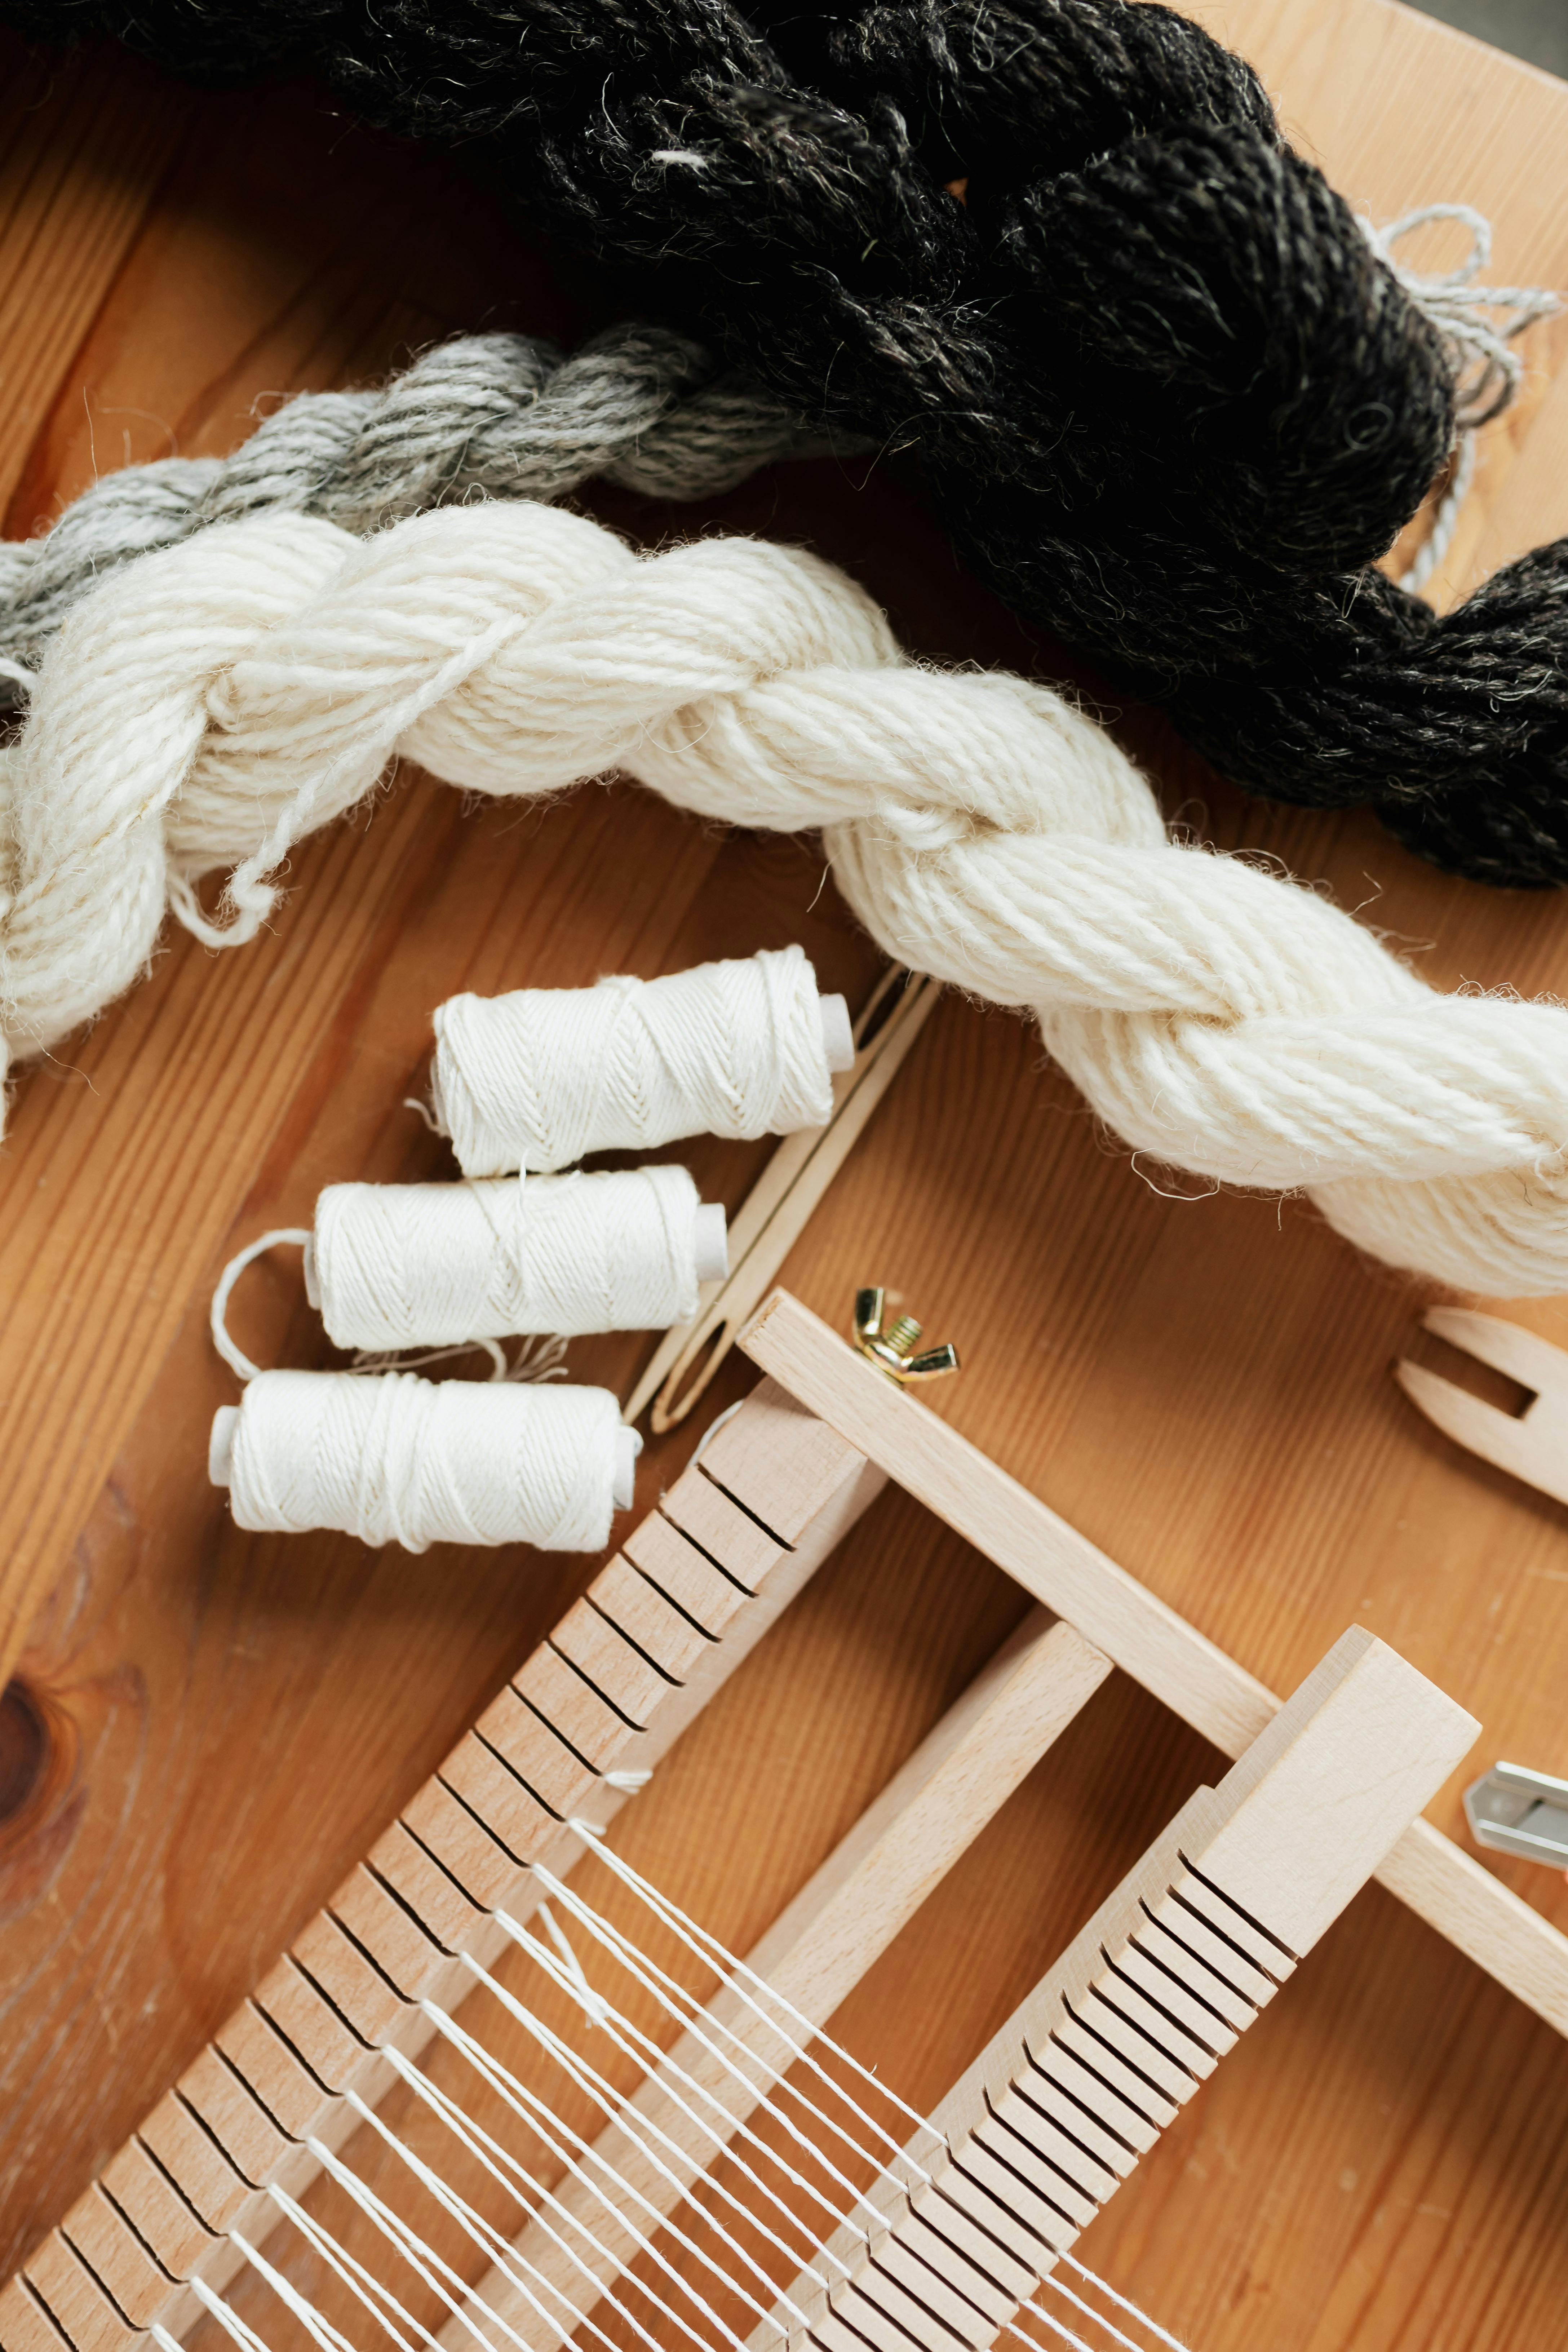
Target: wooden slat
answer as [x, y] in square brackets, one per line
[105, 2242]
[207, 2177]
[616, 1668]
[581, 1714]
[393, 1940]
[25, 2325]
[481, 1864]
[684, 1574]
[551, 1771]
[76, 2301]
[371, 2005]
[671, 1643]
[697, 1505]
[224, 2103]
[173, 2234]
[273, 2073]
[434, 1897]
[307, 2020]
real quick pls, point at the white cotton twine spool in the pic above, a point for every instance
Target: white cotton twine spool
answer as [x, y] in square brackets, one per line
[538, 1078]
[391, 1458]
[413, 1265]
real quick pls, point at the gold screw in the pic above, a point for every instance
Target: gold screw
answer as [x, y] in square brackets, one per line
[893, 1351]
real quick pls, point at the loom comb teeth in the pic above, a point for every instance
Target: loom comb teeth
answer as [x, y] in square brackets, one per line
[1533, 1444]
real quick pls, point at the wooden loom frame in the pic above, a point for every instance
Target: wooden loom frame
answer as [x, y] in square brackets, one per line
[659, 1629]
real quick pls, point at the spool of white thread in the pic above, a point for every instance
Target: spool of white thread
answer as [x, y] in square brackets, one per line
[391, 1458]
[413, 1265]
[538, 1078]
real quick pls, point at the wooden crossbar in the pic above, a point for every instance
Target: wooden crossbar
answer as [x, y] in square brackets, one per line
[1484, 1918]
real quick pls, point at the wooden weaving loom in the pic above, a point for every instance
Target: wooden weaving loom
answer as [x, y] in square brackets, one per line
[952, 2235]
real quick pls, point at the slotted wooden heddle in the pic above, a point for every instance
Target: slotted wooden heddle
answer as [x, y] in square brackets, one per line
[687, 2156]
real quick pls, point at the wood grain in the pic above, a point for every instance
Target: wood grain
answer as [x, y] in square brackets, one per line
[212, 1729]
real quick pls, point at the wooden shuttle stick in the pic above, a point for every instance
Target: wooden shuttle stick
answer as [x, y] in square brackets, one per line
[779, 1205]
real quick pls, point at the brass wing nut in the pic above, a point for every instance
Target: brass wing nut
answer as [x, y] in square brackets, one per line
[893, 1350]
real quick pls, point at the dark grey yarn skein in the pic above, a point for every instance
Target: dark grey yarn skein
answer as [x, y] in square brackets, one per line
[484, 415]
[1167, 400]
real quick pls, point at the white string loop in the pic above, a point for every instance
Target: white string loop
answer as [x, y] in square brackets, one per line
[233, 1354]
[1479, 324]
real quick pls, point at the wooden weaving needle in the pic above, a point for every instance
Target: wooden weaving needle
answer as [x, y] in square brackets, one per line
[1532, 1445]
[781, 1202]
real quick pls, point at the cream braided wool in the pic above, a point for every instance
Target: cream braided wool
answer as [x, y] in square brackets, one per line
[210, 705]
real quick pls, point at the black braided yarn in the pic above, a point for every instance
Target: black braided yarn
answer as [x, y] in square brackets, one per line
[1168, 401]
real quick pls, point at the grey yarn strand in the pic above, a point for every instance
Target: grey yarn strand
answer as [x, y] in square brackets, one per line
[501, 416]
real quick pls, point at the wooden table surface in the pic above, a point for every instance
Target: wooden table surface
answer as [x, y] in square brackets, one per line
[208, 1728]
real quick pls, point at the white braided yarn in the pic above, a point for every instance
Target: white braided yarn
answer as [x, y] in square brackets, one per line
[542, 1076]
[409, 1266]
[210, 705]
[391, 1458]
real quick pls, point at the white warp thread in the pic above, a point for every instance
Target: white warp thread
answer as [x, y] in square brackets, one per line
[209, 706]
[391, 1458]
[411, 1265]
[544, 1076]
[740, 2104]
